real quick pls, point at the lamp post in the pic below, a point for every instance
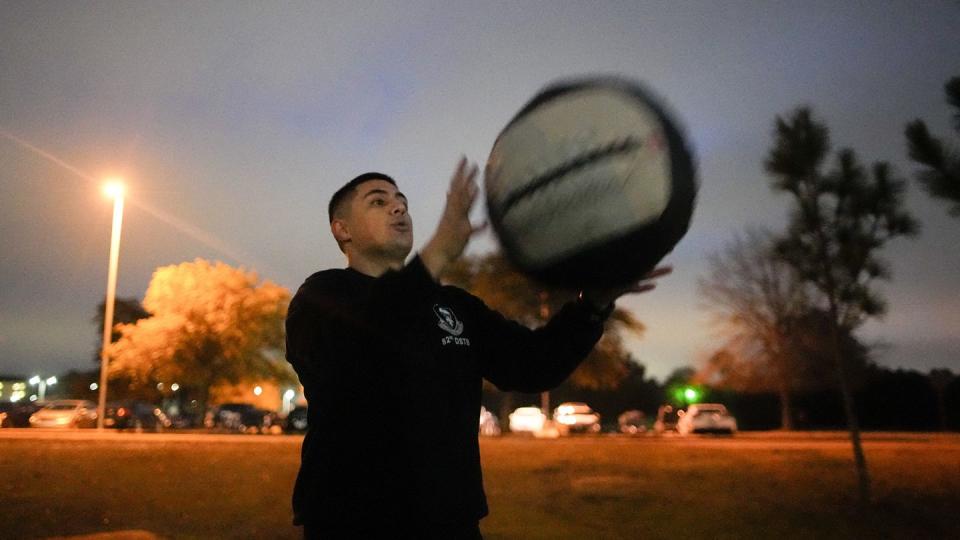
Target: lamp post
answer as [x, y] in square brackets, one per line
[113, 189]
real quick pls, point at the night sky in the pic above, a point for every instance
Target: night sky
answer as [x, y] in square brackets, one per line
[234, 122]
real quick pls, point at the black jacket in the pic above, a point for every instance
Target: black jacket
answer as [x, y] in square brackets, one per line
[391, 369]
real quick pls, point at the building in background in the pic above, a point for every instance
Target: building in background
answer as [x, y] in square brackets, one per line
[13, 388]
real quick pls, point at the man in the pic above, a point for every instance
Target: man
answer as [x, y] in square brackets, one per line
[392, 364]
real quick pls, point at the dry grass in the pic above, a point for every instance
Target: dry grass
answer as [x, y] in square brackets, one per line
[719, 488]
[798, 486]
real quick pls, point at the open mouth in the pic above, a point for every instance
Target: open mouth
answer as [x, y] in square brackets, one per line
[402, 227]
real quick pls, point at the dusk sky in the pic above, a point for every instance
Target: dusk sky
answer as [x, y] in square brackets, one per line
[234, 122]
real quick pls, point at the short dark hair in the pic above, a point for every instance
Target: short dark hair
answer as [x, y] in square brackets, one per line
[349, 188]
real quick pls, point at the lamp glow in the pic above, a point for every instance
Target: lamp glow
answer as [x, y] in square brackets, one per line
[113, 189]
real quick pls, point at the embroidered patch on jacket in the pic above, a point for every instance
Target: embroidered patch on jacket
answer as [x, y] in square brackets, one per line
[448, 320]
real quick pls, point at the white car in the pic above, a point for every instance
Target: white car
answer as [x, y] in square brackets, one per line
[527, 419]
[489, 425]
[65, 413]
[706, 418]
[576, 417]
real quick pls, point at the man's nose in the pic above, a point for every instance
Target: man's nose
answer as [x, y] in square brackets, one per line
[399, 208]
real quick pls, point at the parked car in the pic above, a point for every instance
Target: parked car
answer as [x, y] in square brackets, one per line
[66, 413]
[137, 415]
[575, 417]
[632, 422]
[243, 417]
[706, 418]
[297, 420]
[666, 419]
[264, 421]
[489, 425]
[527, 419]
[185, 420]
[17, 414]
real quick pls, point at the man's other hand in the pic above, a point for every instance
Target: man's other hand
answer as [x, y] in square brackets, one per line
[602, 298]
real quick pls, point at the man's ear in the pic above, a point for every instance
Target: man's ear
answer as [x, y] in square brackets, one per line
[340, 230]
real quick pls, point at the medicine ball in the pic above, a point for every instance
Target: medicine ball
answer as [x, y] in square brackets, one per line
[590, 185]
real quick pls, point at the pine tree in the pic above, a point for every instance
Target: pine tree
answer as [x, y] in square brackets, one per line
[941, 163]
[840, 220]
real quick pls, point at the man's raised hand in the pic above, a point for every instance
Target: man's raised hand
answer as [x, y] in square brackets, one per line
[454, 230]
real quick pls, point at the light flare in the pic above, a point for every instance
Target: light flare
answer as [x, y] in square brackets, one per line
[196, 233]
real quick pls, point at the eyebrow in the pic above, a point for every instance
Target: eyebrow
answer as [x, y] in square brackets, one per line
[379, 191]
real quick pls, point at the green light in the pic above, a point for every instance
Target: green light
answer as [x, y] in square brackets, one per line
[686, 394]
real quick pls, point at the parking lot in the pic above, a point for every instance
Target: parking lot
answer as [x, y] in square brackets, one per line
[59, 483]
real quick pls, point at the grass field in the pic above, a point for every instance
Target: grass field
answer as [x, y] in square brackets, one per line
[750, 486]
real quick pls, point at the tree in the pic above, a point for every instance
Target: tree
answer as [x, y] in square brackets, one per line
[840, 220]
[125, 311]
[209, 324]
[940, 379]
[941, 164]
[503, 288]
[756, 298]
[813, 357]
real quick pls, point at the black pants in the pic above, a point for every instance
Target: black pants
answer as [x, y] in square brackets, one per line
[469, 531]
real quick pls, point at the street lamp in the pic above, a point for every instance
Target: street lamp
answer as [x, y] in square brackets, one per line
[42, 383]
[113, 189]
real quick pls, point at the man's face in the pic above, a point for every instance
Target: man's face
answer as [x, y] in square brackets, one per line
[378, 222]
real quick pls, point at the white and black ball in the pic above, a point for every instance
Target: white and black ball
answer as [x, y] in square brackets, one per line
[590, 184]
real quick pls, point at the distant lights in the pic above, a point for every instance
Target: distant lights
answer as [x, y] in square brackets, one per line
[160, 386]
[94, 386]
[174, 387]
[257, 390]
[289, 394]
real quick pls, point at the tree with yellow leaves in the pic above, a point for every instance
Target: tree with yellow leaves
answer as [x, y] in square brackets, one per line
[209, 324]
[503, 288]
